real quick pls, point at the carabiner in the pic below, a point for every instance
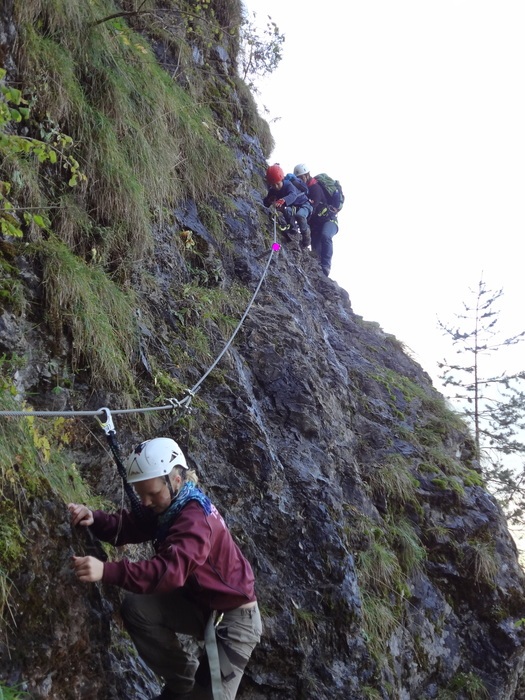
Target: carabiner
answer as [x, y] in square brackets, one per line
[106, 422]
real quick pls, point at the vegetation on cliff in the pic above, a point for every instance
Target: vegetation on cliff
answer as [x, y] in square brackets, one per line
[131, 171]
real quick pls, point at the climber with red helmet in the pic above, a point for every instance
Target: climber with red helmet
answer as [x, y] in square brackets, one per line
[197, 583]
[290, 201]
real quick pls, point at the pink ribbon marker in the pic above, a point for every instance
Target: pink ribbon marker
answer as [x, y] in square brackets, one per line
[276, 246]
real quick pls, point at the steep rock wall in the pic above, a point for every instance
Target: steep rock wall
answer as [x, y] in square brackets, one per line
[384, 568]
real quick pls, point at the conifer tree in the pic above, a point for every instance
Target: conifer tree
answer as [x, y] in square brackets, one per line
[494, 405]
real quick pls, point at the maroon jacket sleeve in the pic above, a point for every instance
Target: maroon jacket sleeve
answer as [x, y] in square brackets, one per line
[186, 548]
[122, 527]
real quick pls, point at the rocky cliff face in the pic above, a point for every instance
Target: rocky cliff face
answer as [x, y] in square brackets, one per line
[384, 568]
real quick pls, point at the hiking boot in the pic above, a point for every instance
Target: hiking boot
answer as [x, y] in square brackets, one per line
[326, 270]
[305, 239]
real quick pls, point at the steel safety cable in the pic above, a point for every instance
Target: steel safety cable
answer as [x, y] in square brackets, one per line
[195, 388]
[173, 403]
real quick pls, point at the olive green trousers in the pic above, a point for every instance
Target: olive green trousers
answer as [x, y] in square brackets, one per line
[154, 623]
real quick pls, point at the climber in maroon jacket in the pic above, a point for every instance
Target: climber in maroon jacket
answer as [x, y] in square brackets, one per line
[197, 583]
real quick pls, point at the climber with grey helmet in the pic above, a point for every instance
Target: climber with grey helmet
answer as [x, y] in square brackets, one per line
[323, 221]
[197, 582]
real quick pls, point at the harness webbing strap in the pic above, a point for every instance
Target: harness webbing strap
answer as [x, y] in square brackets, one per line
[212, 651]
[106, 423]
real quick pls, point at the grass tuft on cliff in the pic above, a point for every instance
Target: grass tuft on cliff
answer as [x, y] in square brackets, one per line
[141, 140]
[33, 463]
[99, 312]
[127, 140]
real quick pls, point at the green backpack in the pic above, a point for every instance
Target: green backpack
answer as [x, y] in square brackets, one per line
[333, 191]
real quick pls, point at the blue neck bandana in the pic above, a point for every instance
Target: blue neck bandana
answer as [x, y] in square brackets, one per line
[189, 492]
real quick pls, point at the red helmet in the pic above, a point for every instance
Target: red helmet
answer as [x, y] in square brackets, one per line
[274, 174]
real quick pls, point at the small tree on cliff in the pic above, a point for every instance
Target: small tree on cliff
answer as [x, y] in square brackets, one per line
[261, 49]
[493, 404]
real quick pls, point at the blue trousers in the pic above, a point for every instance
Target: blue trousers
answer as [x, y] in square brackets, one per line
[322, 242]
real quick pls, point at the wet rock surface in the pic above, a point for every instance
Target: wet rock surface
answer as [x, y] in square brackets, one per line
[384, 569]
[293, 445]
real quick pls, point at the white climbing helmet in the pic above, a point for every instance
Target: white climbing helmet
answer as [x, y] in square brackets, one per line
[152, 458]
[301, 169]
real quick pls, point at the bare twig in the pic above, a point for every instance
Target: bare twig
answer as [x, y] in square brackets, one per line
[134, 13]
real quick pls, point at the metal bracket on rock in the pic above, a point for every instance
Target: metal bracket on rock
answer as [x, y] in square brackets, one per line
[183, 403]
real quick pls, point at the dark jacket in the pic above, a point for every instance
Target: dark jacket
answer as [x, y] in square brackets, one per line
[321, 213]
[198, 554]
[289, 192]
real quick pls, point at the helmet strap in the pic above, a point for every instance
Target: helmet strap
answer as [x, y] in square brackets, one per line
[170, 487]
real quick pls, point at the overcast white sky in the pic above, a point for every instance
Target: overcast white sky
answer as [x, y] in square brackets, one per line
[418, 108]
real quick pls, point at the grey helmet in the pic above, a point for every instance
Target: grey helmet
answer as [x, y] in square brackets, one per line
[301, 169]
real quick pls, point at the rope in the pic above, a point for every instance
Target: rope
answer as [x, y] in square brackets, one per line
[173, 403]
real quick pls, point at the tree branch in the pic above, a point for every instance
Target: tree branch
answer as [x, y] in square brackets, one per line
[134, 13]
